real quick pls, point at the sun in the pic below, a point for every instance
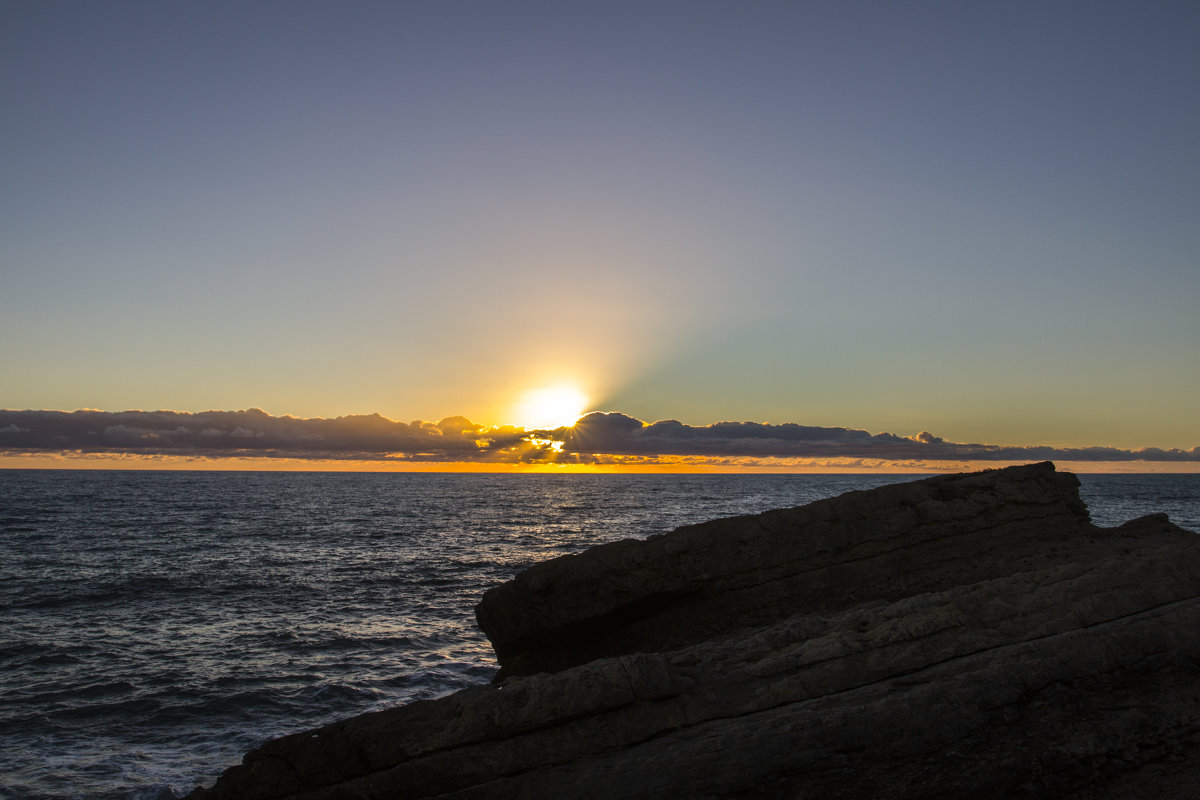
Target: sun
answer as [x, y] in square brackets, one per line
[551, 407]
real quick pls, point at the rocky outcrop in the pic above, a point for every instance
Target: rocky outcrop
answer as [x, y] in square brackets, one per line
[710, 579]
[961, 635]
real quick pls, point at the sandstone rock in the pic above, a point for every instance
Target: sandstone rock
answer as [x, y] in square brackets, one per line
[709, 579]
[962, 635]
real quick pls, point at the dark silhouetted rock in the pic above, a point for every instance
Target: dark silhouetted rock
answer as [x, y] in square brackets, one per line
[707, 580]
[968, 635]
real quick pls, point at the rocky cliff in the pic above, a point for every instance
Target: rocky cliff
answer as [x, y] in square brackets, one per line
[960, 635]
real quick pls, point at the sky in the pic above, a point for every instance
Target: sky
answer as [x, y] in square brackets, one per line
[965, 223]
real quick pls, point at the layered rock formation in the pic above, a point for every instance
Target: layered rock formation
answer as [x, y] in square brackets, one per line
[961, 635]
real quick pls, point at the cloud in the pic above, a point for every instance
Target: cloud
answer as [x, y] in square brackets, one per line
[606, 438]
[611, 433]
[251, 432]
[615, 433]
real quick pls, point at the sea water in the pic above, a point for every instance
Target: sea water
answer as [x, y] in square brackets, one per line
[156, 625]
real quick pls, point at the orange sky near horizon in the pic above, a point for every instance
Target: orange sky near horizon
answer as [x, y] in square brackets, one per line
[631, 465]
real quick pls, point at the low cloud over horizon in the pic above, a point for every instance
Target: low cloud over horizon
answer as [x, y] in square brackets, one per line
[597, 438]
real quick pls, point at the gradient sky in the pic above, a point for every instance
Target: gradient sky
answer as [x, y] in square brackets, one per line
[976, 219]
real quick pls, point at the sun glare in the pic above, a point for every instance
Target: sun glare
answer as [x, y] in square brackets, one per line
[551, 407]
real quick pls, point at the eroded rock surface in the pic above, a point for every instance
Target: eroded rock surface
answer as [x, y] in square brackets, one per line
[958, 636]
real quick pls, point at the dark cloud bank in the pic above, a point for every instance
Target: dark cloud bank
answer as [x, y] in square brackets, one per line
[599, 435]
[249, 433]
[619, 434]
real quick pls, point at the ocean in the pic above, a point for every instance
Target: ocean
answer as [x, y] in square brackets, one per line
[156, 625]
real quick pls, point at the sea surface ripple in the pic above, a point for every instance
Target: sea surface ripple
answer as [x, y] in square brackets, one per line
[156, 625]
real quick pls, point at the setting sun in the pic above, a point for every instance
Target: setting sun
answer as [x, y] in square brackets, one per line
[551, 407]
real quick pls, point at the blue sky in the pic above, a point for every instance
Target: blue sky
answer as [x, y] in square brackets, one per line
[978, 220]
